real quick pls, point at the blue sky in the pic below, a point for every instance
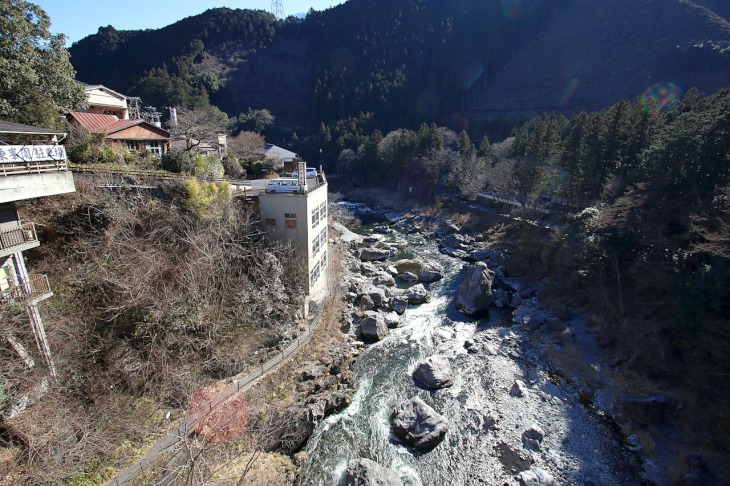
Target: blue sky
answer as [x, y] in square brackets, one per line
[79, 18]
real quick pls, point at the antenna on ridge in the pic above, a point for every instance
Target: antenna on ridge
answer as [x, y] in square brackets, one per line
[277, 9]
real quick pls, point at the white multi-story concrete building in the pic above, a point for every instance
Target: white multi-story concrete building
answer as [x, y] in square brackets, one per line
[295, 210]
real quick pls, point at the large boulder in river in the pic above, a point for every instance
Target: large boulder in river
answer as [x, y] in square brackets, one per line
[475, 293]
[430, 272]
[364, 472]
[372, 326]
[435, 372]
[416, 294]
[419, 425]
[374, 254]
[455, 241]
[408, 277]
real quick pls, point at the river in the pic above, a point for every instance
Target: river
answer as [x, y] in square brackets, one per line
[484, 443]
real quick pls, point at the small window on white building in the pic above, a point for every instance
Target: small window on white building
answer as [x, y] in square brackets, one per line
[315, 217]
[314, 275]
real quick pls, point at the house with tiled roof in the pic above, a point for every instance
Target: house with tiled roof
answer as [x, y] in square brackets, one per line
[131, 134]
[280, 158]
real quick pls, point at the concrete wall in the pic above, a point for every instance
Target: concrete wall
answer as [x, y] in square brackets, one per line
[28, 186]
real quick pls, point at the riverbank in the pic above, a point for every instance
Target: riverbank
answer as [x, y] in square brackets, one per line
[568, 345]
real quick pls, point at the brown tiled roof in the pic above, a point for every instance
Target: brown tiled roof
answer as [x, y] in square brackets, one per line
[109, 123]
[121, 125]
[95, 121]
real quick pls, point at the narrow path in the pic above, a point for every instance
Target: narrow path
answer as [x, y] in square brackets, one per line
[174, 438]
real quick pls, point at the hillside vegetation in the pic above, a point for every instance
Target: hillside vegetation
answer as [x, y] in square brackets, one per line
[652, 189]
[152, 300]
[413, 61]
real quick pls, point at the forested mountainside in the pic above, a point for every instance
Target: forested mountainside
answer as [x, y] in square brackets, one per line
[595, 53]
[409, 61]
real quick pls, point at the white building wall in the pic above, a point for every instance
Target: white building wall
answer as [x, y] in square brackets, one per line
[309, 212]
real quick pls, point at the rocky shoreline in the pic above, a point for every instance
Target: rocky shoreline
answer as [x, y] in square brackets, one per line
[378, 290]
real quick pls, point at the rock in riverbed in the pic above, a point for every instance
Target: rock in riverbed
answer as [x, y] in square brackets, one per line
[374, 254]
[364, 472]
[430, 272]
[416, 294]
[435, 372]
[475, 293]
[419, 425]
[372, 326]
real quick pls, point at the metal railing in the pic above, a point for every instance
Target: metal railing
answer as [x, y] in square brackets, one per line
[20, 235]
[36, 287]
[32, 167]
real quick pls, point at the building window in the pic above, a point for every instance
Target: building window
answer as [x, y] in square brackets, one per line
[290, 220]
[323, 238]
[315, 246]
[323, 211]
[315, 217]
[270, 222]
[314, 275]
[155, 149]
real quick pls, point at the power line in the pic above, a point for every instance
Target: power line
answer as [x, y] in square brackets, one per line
[277, 9]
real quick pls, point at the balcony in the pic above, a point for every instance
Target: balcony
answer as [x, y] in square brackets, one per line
[15, 238]
[33, 291]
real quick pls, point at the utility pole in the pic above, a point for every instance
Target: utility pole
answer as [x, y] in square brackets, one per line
[277, 9]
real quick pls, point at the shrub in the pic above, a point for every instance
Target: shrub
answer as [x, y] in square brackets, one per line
[205, 197]
[232, 168]
[178, 161]
[208, 167]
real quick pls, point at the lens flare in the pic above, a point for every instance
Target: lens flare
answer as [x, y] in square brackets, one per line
[457, 122]
[568, 93]
[512, 9]
[662, 97]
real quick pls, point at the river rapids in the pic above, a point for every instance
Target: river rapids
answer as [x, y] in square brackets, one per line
[485, 443]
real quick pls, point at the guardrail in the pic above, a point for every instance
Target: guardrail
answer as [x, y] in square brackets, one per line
[12, 237]
[36, 287]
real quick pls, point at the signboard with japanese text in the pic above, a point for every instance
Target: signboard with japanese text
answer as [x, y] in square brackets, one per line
[31, 153]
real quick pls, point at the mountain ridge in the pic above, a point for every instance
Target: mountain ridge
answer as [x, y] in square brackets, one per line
[408, 61]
